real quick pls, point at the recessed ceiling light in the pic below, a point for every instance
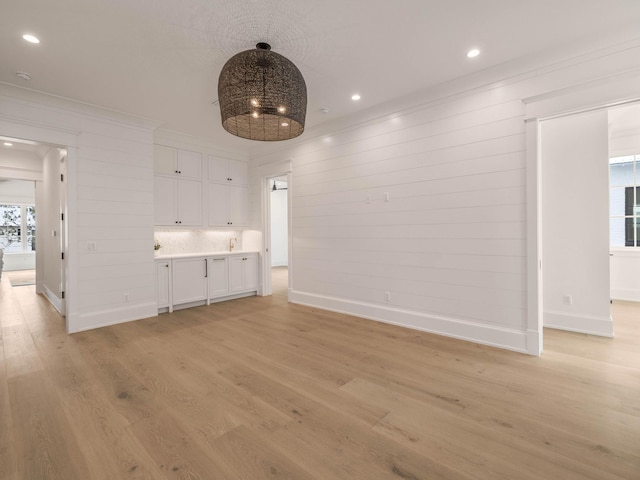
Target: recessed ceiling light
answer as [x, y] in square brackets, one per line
[284, 124]
[8, 144]
[31, 38]
[474, 52]
[355, 97]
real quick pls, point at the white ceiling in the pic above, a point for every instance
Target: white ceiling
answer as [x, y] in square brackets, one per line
[161, 59]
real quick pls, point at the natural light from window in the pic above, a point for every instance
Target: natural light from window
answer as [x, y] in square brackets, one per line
[17, 228]
[624, 201]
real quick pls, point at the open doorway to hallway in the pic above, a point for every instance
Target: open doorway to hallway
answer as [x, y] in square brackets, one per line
[279, 236]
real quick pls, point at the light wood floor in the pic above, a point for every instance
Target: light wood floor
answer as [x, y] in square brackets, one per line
[260, 389]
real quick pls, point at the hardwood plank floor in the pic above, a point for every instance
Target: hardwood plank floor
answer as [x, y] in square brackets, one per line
[258, 388]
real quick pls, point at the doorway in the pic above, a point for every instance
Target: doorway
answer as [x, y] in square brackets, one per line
[33, 174]
[279, 237]
[277, 267]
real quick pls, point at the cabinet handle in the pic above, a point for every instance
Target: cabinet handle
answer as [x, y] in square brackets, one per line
[175, 171]
[176, 221]
[167, 265]
[179, 171]
[206, 268]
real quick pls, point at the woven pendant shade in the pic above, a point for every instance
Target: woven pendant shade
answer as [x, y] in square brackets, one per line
[262, 96]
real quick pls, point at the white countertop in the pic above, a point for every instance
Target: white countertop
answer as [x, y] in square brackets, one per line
[221, 253]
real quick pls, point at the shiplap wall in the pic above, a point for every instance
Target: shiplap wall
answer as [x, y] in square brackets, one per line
[450, 244]
[114, 198]
[110, 203]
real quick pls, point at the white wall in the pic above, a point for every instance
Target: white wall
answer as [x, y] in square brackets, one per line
[20, 164]
[110, 203]
[451, 243]
[575, 223]
[17, 192]
[279, 228]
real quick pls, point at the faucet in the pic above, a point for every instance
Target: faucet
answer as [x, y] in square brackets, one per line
[232, 244]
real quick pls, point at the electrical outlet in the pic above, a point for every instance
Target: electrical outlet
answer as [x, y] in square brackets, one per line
[126, 297]
[387, 296]
[568, 300]
[386, 196]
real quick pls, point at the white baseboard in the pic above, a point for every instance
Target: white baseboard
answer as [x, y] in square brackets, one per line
[80, 322]
[625, 294]
[53, 299]
[589, 324]
[510, 339]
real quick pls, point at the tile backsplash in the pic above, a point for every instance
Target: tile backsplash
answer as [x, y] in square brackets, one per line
[196, 241]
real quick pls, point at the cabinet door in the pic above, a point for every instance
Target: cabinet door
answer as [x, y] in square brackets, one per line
[238, 172]
[218, 277]
[163, 283]
[189, 202]
[238, 205]
[218, 169]
[189, 164]
[189, 280]
[218, 202]
[165, 201]
[236, 274]
[250, 272]
[165, 160]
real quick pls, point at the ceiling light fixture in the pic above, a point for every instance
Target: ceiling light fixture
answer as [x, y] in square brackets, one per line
[8, 144]
[355, 97]
[30, 38]
[473, 53]
[260, 93]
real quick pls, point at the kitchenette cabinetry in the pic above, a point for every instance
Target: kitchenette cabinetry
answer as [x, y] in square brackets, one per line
[178, 202]
[243, 273]
[201, 279]
[228, 193]
[163, 283]
[178, 187]
[189, 280]
[218, 277]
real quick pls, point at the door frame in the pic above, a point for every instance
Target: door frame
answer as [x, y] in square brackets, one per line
[277, 171]
[66, 139]
[616, 91]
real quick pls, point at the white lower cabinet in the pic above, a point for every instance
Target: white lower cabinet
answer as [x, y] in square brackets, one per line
[200, 280]
[189, 280]
[243, 273]
[163, 283]
[218, 277]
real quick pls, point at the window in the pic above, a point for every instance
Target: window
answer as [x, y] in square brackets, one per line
[624, 201]
[17, 228]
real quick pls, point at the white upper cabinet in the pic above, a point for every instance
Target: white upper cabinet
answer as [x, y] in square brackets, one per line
[228, 205]
[178, 162]
[177, 202]
[225, 170]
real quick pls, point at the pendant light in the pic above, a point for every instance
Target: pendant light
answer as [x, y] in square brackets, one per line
[262, 96]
